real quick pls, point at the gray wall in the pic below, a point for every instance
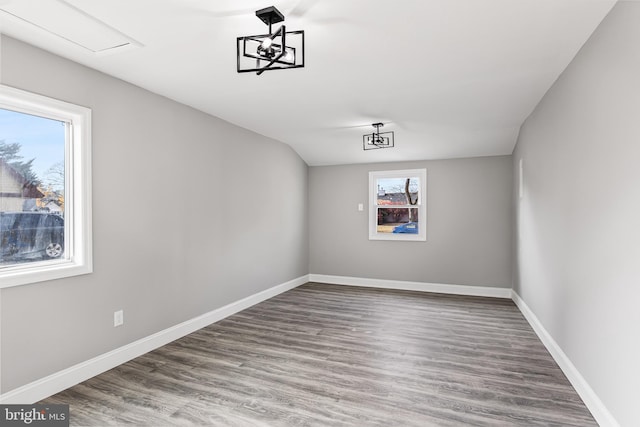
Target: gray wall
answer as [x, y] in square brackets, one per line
[578, 224]
[468, 224]
[190, 213]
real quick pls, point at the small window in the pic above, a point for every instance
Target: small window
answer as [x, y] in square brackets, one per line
[397, 205]
[45, 208]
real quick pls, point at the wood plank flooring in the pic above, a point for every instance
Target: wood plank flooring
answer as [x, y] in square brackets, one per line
[325, 355]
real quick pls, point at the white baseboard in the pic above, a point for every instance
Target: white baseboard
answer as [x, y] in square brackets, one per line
[589, 397]
[55, 383]
[52, 384]
[481, 291]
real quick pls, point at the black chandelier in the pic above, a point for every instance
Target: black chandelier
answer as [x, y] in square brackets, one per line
[375, 140]
[277, 50]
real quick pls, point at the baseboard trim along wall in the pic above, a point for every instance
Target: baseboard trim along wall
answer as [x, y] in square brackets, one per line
[55, 383]
[480, 291]
[588, 396]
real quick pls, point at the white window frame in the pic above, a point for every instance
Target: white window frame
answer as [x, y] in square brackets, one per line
[78, 227]
[374, 176]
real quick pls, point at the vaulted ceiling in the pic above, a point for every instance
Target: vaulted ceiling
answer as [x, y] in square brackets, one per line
[451, 78]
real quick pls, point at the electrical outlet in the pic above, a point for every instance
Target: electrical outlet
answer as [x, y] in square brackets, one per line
[360, 207]
[118, 318]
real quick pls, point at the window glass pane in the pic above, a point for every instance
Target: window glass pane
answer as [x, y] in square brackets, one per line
[393, 191]
[397, 200]
[398, 220]
[32, 188]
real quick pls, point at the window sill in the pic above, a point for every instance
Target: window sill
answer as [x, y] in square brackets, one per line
[41, 272]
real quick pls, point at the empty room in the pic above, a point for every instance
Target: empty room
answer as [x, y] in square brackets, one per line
[319, 213]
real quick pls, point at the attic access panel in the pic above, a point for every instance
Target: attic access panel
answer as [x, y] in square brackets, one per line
[63, 20]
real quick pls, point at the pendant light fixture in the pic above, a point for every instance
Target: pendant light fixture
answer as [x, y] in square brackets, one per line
[377, 139]
[277, 50]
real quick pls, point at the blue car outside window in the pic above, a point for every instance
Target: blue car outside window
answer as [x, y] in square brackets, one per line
[410, 228]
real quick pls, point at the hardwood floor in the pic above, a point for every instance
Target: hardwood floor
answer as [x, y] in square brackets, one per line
[325, 355]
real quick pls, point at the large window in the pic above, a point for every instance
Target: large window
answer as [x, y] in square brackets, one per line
[397, 205]
[45, 206]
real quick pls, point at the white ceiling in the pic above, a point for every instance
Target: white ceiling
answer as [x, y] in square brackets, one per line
[451, 78]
